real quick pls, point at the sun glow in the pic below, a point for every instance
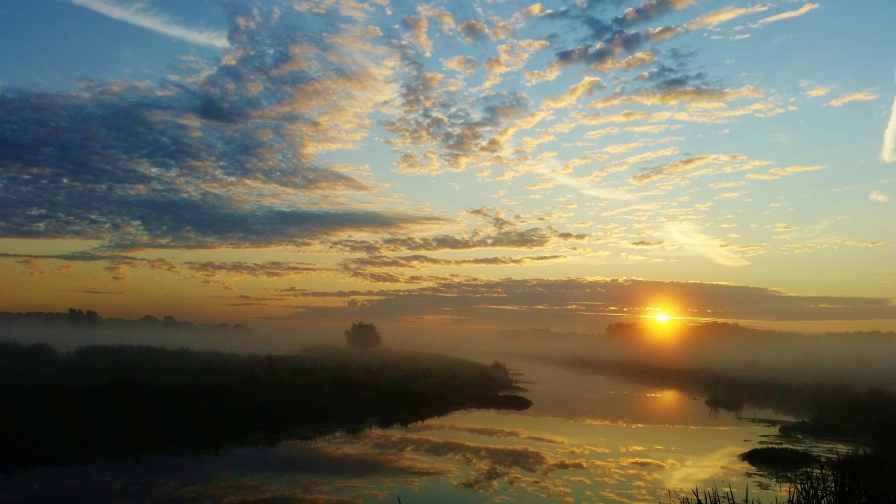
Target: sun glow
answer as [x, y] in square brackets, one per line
[661, 317]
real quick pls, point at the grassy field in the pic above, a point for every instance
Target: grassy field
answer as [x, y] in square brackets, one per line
[127, 401]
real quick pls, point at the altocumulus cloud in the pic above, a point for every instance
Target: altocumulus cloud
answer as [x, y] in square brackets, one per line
[224, 159]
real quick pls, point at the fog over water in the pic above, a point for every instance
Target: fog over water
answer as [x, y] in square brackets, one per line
[619, 415]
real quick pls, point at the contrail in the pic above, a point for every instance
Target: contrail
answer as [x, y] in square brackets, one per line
[138, 14]
[888, 153]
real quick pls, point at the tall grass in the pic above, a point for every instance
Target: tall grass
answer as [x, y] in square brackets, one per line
[859, 477]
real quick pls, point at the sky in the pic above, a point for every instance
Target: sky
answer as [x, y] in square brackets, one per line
[450, 166]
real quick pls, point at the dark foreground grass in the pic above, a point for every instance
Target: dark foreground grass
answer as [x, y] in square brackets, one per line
[869, 416]
[860, 477]
[127, 402]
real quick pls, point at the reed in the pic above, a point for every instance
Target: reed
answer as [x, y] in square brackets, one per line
[857, 477]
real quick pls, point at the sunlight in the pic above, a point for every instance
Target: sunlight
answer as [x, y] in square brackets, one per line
[661, 317]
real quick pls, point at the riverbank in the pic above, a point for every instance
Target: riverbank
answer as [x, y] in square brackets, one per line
[107, 402]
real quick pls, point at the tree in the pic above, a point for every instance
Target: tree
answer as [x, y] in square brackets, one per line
[362, 335]
[79, 317]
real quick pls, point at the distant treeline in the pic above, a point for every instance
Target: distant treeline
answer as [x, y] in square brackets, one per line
[107, 402]
[860, 358]
[697, 331]
[80, 317]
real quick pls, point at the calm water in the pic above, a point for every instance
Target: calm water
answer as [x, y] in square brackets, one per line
[586, 439]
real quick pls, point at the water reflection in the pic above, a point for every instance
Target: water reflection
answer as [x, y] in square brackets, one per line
[586, 439]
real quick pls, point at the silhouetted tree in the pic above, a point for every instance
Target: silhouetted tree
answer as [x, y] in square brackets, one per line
[362, 335]
[168, 321]
[79, 317]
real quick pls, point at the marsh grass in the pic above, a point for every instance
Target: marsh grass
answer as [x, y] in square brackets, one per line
[779, 459]
[858, 477]
[711, 496]
[108, 402]
[864, 476]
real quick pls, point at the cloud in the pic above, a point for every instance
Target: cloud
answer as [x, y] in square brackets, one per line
[678, 167]
[662, 33]
[656, 128]
[648, 244]
[66, 269]
[594, 134]
[588, 85]
[210, 271]
[528, 459]
[118, 265]
[818, 91]
[634, 61]
[137, 14]
[878, 196]
[780, 227]
[463, 64]
[532, 10]
[649, 10]
[418, 25]
[585, 302]
[99, 292]
[500, 234]
[441, 15]
[511, 56]
[888, 151]
[673, 97]
[487, 463]
[460, 133]
[608, 49]
[501, 30]
[863, 244]
[692, 239]
[371, 268]
[551, 72]
[721, 16]
[495, 432]
[650, 156]
[473, 30]
[227, 158]
[863, 96]
[776, 173]
[411, 163]
[790, 14]
[643, 462]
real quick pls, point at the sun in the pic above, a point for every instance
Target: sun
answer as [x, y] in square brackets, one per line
[661, 317]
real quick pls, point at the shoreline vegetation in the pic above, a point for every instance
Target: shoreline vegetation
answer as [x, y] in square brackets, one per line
[126, 402]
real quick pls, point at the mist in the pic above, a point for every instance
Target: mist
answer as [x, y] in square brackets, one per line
[860, 358]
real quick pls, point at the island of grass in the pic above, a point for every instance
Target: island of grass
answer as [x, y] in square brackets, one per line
[112, 402]
[779, 458]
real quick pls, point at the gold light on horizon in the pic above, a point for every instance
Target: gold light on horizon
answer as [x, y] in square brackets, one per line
[661, 317]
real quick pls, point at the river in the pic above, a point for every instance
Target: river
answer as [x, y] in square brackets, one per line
[587, 439]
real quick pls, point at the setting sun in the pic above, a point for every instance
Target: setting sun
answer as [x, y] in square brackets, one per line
[661, 318]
